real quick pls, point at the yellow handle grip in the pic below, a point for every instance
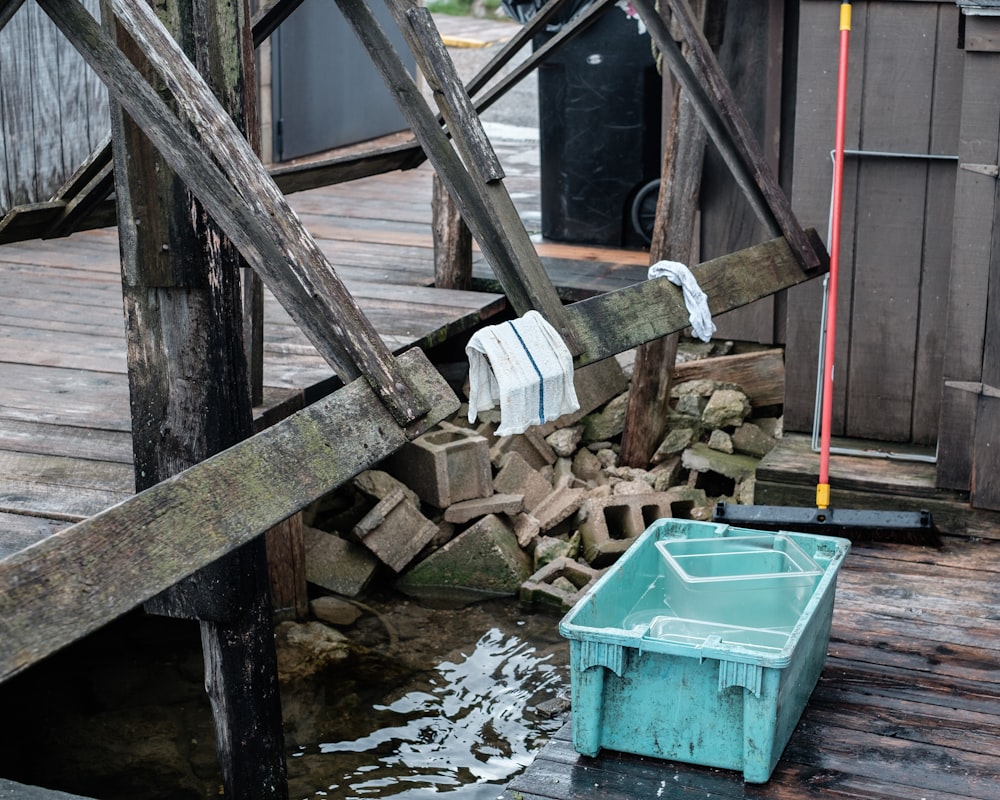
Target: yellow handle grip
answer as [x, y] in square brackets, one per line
[845, 16]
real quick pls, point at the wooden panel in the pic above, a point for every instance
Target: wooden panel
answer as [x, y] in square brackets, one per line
[972, 245]
[53, 109]
[751, 56]
[811, 186]
[986, 454]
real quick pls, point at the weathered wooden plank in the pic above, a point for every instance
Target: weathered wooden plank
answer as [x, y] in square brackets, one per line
[815, 112]
[751, 56]
[76, 580]
[975, 214]
[62, 440]
[712, 96]
[497, 228]
[18, 531]
[614, 322]
[255, 216]
[760, 374]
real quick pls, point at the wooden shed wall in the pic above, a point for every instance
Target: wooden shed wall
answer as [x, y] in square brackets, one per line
[53, 108]
[904, 99]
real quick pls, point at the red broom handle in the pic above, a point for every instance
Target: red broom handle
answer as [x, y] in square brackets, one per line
[826, 420]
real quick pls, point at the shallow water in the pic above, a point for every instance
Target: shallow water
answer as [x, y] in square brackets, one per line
[469, 724]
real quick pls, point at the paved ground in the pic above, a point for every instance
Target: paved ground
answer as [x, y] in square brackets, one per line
[472, 42]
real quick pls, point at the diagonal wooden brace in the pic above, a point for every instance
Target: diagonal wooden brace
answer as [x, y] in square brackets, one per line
[223, 172]
[485, 207]
[719, 112]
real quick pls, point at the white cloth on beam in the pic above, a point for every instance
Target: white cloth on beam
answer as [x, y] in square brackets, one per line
[525, 366]
[694, 298]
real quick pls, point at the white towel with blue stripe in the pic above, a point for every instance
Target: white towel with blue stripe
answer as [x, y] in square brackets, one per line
[525, 366]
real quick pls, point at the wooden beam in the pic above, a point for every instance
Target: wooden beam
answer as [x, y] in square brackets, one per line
[75, 581]
[616, 321]
[675, 231]
[525, 283]
[706, 84]
[223, 172]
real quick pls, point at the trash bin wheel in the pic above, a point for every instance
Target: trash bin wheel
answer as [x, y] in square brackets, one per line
[644, 210]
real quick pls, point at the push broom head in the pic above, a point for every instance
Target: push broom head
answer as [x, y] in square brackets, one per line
[905, 527]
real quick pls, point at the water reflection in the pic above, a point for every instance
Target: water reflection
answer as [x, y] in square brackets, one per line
[469, 724]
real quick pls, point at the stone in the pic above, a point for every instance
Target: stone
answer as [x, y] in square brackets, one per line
[666, 473]
[690, 405]
[307, 648]
[586, 466]
[549, 548]
[721, 441]
[701, 458]
[517, 476]
[483, 562]
[395, 530]
[444, 466]
[337, 565]
[726, 408]
[674, 442]
[595, 384]
[608, 458]
[607, 423]
[749, 438]
[560, 505]
[468, 510]
[772, 426]
[557, 586]
[526, 529]
[334, 611]
[564, 442]
[531, 445]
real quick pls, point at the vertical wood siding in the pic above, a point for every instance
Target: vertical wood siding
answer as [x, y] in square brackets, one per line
[904, 95]
[53, 108]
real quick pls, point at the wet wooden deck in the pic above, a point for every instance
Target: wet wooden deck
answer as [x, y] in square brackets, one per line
[65, 442]
[908, 705]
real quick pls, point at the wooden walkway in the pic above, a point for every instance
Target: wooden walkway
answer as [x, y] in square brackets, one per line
[908, 705]
[65, 442]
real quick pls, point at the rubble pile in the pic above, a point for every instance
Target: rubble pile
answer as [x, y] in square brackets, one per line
[460, 515]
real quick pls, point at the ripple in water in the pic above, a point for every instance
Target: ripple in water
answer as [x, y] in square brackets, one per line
[471, 727]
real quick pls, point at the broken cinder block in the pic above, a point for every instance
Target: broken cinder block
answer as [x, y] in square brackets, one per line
[612, 523]
[395, 530]
[558, 585]
[337, 565]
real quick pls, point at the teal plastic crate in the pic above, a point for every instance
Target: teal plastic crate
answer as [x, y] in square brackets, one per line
[702, 644]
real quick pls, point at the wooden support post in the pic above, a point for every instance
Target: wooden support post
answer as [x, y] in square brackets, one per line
[674, 234]
[190, 396]
[452, 242]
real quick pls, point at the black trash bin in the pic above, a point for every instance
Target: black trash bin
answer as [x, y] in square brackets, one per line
[599, 103]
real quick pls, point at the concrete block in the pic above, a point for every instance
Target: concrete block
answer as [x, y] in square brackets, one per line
[517, 476]
[559, 506]
[611, 524]
[444, 466]
[395, 530]
[531, 445]
[483, 562]
[337, 565]
[468, 510]
[526, 529]
[557, 586]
